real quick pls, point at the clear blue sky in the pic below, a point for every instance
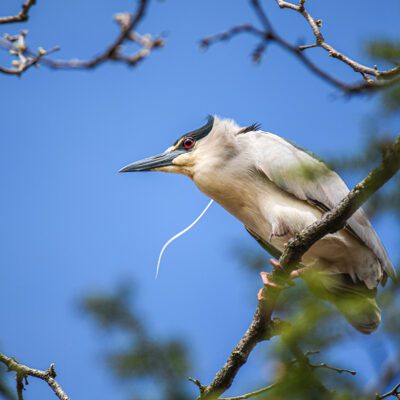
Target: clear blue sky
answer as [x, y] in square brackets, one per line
[70, 224]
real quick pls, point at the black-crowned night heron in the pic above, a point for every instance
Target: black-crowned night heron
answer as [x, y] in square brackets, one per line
[276, 189]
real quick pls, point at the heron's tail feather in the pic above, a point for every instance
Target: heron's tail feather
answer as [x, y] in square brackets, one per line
[363, 313]
[354, 300]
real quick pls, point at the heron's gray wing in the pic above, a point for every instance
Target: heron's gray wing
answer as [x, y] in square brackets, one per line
[298, 172]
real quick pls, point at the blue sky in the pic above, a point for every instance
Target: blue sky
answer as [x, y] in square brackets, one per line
[71, 224]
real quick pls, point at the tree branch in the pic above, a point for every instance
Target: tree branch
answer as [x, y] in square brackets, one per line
[22, 372]
[373, 79]
[25, 59]
[251, 394]
[335, 369]
[113, 52]
[394, 392]
[23, 15]
[263, 326]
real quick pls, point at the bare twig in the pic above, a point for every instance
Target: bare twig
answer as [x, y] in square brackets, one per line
[24, 59]
[22, 372]
[321, 42]
[113, 52]
[373, 79]
[251, 394]
[23, 15]
[263, 326]
[330, 367]
[390, 372]
[395, 392]
[305, 359]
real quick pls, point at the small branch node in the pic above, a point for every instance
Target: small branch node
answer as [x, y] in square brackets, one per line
[198, 384]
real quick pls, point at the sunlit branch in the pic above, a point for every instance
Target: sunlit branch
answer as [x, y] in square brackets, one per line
[22, 372]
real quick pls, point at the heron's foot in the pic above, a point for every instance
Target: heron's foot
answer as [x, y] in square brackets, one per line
[267, 281]
[274, 263]
[298, 273]
[294, 274]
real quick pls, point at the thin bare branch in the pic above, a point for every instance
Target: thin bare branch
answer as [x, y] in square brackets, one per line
[263, 326]
[251, 394]
[395, 392]
[113, 52]
[24, 59]
[330, 367]
[388, 375]
[23, 15]
[373, 78]
[22, 372]
[321, 42]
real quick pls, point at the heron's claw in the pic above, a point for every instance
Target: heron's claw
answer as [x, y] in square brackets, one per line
[274, 263]
[293, 275]
[267, 283]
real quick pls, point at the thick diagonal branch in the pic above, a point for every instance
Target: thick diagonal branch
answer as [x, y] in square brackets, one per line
[263, 325]
[336, 219]
[22, 372]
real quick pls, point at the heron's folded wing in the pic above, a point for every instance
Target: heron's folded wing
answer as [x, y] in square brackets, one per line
[301, 174]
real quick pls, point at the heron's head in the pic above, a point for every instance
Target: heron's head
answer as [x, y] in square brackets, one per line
[206, 145]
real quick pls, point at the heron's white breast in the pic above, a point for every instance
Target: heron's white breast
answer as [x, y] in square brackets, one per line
[254, 200]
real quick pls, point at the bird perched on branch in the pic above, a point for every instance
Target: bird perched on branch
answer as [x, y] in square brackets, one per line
[276, 189]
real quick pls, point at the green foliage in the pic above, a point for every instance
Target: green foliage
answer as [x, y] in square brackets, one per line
[389, 53]
[385, 50]
[6, 392]
[145, 358]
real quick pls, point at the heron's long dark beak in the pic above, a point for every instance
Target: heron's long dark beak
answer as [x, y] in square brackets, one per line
[148, 164]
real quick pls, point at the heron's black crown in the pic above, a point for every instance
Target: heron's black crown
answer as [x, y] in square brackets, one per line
[200, 133]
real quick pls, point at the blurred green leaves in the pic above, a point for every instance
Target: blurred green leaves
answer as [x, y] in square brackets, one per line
[389, 53]
[144, 358]
[385, 50]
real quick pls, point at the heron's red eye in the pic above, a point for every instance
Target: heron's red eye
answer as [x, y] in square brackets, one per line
[188, 142]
